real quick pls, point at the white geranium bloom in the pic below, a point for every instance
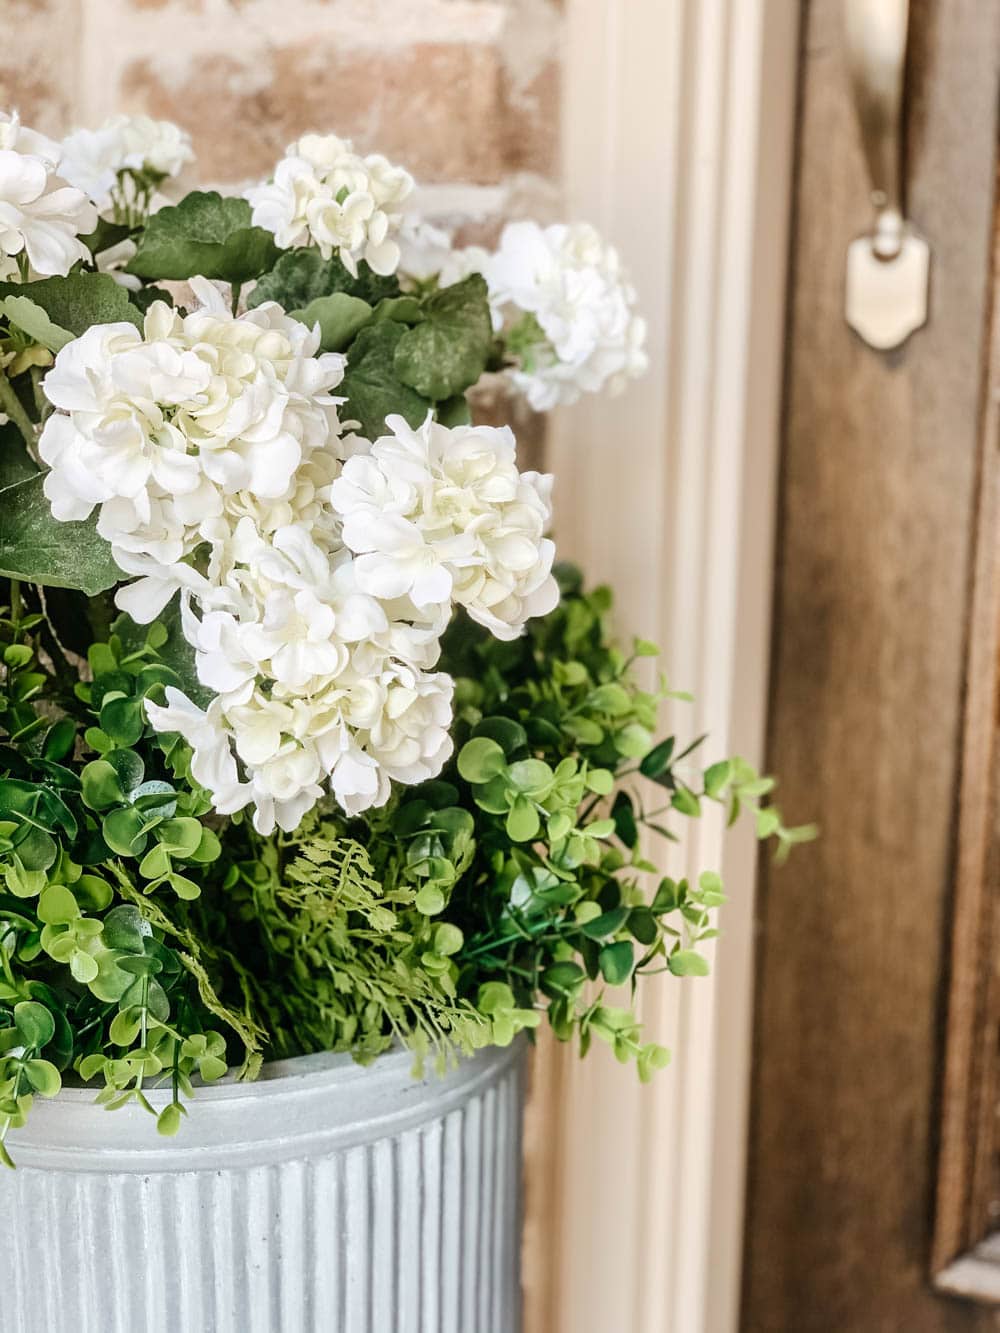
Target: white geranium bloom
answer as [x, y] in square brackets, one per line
[93, 160]
[587, 336]
[213, 764]
[440, 514]
[166, 427]
[325, 194]
[428, 251]
[40, 215]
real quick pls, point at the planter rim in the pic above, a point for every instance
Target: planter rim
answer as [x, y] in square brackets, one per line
[298, 1108]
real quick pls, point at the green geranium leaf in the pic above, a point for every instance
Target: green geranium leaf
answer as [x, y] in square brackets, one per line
[15, 462]
[405, 309]
[340, 317]
[300, 276]
[32, 320]
[36, 547]
[204, 235]
[372, 383]
[454, 411]
[447, 352]
[105, 235]
[76, 302]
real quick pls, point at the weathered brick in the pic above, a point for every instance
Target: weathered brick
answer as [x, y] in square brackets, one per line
[438, 109]
[38, 70]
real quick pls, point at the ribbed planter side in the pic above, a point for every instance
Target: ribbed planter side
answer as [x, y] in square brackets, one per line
[322, 1199]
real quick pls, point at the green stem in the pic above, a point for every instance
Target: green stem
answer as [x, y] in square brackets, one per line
[11, 404]
[237, 288]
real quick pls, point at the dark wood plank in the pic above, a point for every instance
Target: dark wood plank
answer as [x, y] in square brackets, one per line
[968, 1190]
[877, 506]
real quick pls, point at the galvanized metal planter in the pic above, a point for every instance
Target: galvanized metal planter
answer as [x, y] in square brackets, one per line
[325, 1198]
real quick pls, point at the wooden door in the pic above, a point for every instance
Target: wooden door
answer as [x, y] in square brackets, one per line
[873, 1185]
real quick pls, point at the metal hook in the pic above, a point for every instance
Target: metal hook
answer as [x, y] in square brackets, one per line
[876, 43]
[887, 271]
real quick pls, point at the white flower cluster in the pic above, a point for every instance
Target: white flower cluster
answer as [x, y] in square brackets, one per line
[562, 295]
[325, 194]
[571, 282]
[40, 215]
[429, 251]
[317, 570]
[92, 160]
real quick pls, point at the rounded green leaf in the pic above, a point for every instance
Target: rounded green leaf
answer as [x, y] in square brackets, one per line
[122, 720]
[633, 741]
[448, 939]
[523, 822]
[616, 962]
[687, 963]
[612, 699]
[43, 1077]
[429, 901]
[129, 767]
[57, 906]
[481, 759]
[126, 928]
[125, 1026]
[35, 1025]
[123, 832]
[168, 1122]
[83, 967]
[92, 893]
[600, 781]
[101, 787]
[507, 733]
[562, 980]
[532, 776]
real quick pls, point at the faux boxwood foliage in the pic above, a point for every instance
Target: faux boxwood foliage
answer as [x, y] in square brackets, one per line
[146, 941]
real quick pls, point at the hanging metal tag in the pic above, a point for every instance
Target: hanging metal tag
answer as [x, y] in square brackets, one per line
[887, 298]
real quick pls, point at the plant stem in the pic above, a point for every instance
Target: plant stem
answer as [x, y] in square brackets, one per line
[11, 404]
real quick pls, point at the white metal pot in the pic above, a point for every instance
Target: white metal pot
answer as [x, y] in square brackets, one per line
[324, 1198]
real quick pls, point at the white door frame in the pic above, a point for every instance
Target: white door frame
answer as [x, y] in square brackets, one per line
[678, 131]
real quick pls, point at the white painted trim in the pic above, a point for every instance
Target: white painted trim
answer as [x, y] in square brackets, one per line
[678, 122]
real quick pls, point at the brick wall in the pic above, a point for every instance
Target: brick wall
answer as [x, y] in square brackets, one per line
[463, 93]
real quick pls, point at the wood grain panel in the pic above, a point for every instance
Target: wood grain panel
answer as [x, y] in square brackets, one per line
[877, 515]
[968, 1189]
